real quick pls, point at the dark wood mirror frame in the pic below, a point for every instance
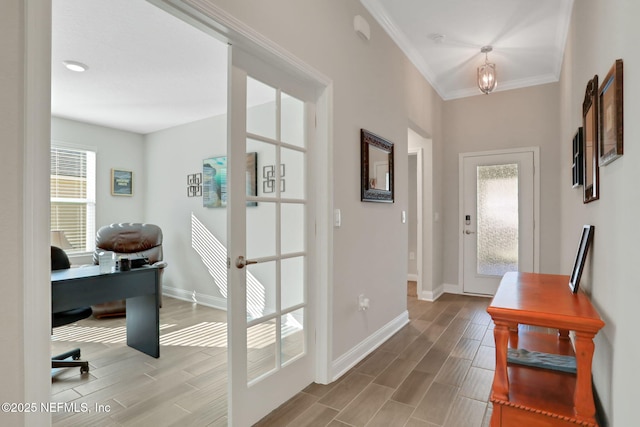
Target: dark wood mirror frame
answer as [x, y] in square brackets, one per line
[376, 153]
[590, 142]
[610, 105]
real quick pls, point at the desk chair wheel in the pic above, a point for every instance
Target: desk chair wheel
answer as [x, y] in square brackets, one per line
[84, 369]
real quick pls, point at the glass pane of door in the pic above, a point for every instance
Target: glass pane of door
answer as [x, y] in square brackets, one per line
[497, 250]
[275, 230]
[271, 356]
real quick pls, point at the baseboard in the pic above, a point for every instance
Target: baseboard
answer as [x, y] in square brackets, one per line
[351, 358]
[198, 298]
[412, 277]
[431, 296]
[449, 288]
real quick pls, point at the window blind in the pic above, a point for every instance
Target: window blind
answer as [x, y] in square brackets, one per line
[73, 196]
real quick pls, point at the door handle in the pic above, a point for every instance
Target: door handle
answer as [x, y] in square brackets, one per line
[241, 262]
[469, 232]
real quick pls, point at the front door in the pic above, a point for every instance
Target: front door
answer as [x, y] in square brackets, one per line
[497, 222]
[270, 226]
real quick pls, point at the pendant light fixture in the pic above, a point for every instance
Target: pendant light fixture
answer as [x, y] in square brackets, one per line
[487, 73]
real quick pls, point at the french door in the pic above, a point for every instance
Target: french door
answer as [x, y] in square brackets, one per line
[498, 217]
[271, 354]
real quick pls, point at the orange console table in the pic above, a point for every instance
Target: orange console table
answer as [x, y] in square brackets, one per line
[537, 396]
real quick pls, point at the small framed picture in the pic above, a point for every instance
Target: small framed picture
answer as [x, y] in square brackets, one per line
[121, 182]
[611, 122]
[578, 162]
[581, 257]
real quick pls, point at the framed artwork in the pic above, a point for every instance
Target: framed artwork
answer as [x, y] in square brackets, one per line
[121, 182]
[611, 124]
[214, 180]
[578, 163]
[591, 171]
[269, 179]
[376, 168]
[194, 185]
[581, 257]
[194, 179]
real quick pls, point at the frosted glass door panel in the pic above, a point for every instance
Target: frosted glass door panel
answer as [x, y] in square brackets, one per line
[497, 250]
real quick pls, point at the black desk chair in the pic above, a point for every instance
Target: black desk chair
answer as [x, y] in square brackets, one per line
[60, 261]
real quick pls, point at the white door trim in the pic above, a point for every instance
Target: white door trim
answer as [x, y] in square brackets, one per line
[36, 276]
[426, 289]
[536, 204]
[420, 217]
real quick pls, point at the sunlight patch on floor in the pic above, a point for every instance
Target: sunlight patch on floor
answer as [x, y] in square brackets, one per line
[204, 334]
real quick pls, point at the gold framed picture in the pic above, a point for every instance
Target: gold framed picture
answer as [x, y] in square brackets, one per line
[121, 182]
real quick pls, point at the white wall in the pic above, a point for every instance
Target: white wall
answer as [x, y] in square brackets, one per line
[516, 118]
[173, 154]
[114, 149]
[602, 32]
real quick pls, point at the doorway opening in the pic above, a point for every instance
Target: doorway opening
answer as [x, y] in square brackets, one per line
[421, 222]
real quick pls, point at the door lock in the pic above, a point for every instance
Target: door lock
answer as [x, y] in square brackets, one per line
[241, 262]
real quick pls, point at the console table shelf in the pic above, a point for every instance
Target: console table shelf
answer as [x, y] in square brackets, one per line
[536, 396]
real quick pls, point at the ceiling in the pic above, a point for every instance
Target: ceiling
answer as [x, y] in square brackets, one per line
[149, 70]
[443, 39]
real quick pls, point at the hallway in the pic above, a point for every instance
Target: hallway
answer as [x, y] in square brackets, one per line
[436, 371]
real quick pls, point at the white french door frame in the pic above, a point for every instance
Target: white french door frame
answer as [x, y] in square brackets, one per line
[536, 204]
[207, 16]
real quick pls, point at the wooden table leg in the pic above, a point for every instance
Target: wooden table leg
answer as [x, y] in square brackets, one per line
[513, 335]
[583, 396]
[500, 389]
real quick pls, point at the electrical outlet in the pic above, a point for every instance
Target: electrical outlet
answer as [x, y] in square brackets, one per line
[363, 302]
[412, 255]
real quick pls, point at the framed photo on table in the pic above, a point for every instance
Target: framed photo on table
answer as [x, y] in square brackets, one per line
[611, 123]
[581, 257]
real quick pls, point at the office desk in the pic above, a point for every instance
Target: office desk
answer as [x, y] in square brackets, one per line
[536, 396]
[83, 286]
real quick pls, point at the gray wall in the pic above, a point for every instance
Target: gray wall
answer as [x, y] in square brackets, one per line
[516, 118]
[602, 32]
[374, 87]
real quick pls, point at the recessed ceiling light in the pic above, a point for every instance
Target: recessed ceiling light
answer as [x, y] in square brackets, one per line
[437, 37]
[76, 66]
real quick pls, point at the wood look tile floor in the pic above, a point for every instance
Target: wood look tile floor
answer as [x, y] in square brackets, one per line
[186, 386]
[436, 371]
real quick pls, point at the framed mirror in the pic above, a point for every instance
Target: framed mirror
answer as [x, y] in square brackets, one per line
[376, 168]
[590, 150]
